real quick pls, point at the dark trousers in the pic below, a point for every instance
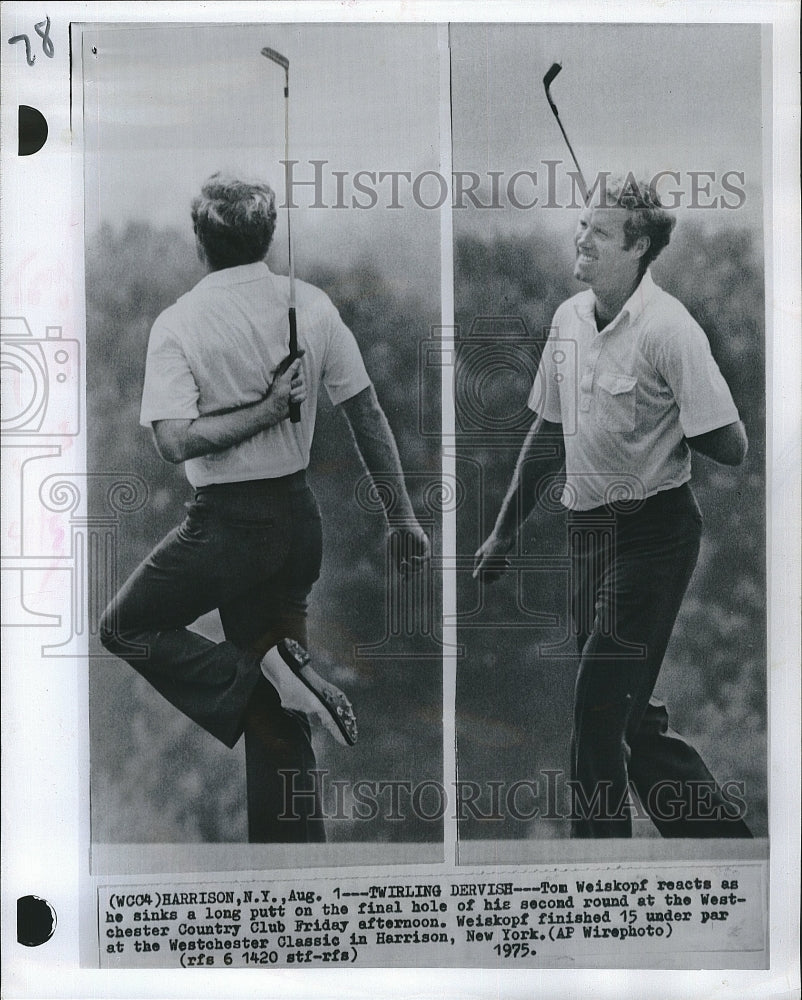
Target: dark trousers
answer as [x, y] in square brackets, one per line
[631, 568]
[253, 551]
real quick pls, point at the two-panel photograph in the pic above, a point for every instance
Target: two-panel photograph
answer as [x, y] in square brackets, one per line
[269, 361]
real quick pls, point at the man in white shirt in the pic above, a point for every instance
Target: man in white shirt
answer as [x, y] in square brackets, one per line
[217, 393]
[626, 387]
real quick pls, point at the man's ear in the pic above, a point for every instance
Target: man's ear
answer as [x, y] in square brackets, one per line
[642, 244]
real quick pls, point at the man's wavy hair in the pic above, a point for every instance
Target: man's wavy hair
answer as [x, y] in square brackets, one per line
[645, 215]
[234, 221]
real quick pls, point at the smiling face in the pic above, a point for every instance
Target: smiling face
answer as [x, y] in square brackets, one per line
[603, 260]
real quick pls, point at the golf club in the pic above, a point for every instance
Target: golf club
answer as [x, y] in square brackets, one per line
[280, 60]
[548, 79]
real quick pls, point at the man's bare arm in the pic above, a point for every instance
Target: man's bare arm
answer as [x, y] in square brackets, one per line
[541, 458]
[376, 444]
[727, 445]
[178, 440]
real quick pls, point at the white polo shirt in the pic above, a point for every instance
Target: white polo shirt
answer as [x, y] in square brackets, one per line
[219, 346]
[628, 396]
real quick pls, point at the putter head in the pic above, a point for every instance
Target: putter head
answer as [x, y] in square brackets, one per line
[276, 57]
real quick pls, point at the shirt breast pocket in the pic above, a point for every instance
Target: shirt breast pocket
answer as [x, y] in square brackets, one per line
[617, 401]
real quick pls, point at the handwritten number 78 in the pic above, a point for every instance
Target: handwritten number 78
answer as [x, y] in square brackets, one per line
[42, 29]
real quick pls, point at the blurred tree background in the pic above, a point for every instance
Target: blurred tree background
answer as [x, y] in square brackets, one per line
[514, 699]
[157, 777]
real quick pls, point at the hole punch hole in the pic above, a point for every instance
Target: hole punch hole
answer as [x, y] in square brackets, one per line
[32, 130]
[36, 921]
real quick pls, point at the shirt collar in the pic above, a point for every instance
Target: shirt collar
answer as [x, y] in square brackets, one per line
[632, 308]
[640, 298]
[236, 275]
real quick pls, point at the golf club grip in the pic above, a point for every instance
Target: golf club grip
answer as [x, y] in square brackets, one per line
[295, 408]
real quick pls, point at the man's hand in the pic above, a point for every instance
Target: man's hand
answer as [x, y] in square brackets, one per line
[410, 548]
[541, 459]
[491, 557]
[178, 440]
[288, 386]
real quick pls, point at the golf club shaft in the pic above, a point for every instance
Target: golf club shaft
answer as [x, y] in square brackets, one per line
[573, 155]
[276, 57]
[547, 81]
[295, 408]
